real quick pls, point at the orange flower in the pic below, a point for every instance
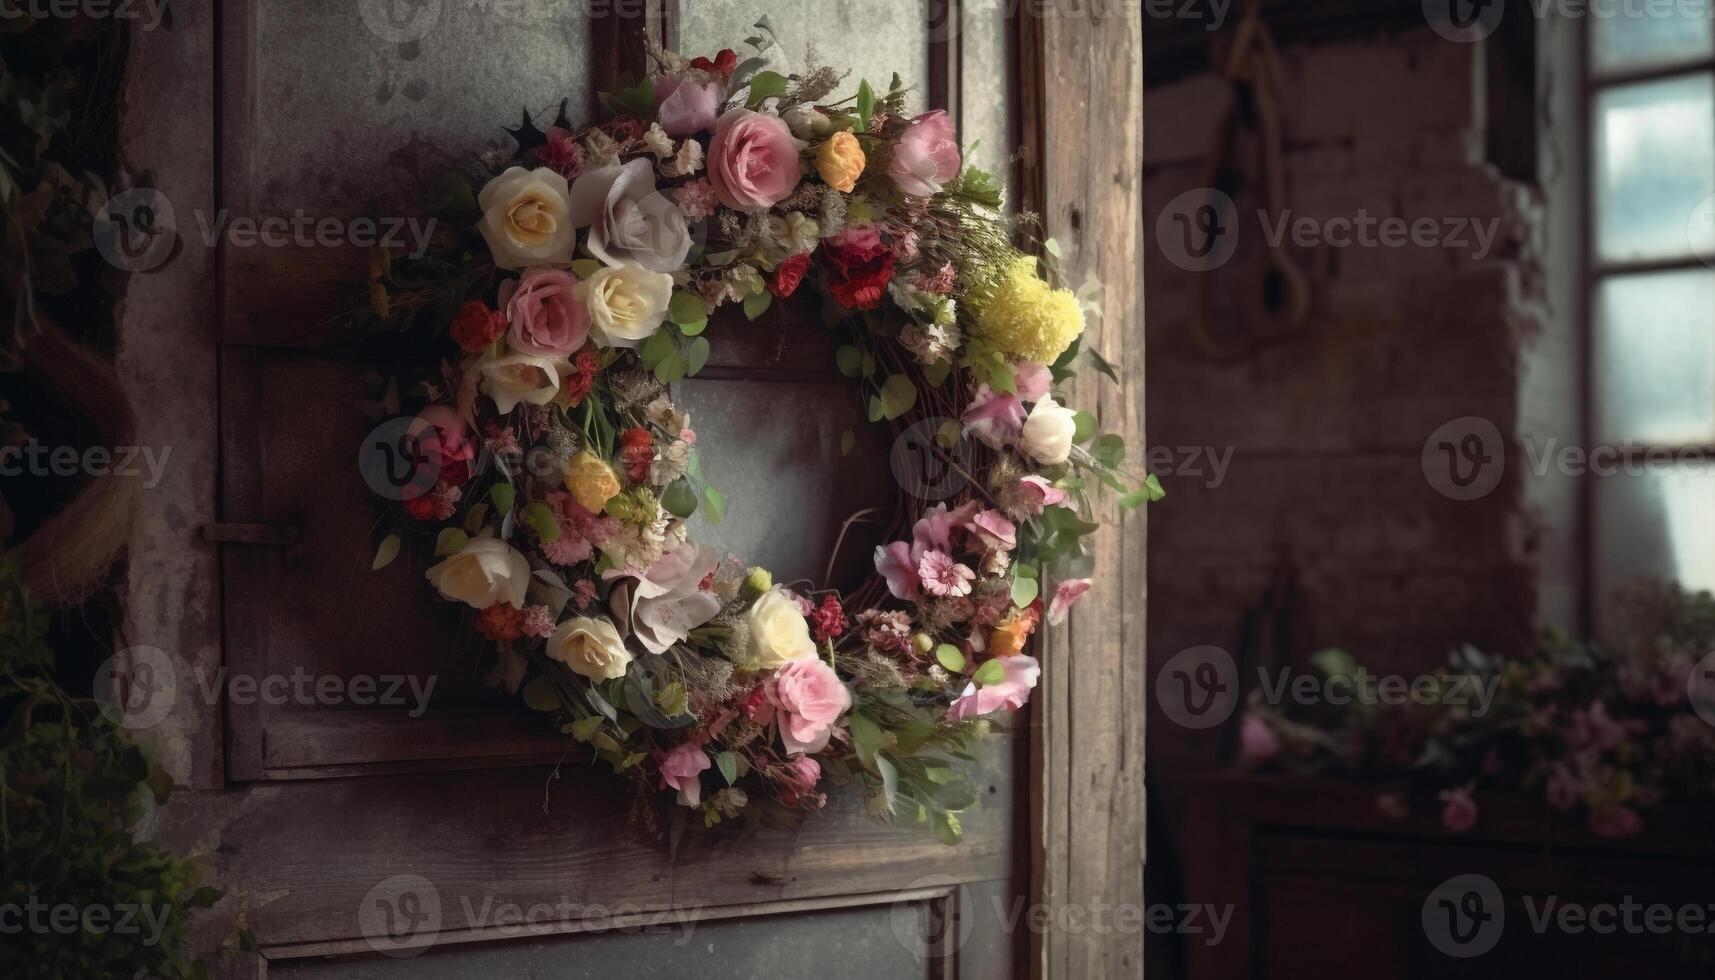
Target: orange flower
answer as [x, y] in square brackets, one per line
[1010, 636]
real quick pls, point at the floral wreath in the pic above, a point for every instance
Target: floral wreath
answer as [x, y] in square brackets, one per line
[555, 475]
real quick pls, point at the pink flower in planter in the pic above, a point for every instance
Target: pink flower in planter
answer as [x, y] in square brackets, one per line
[1615, 821]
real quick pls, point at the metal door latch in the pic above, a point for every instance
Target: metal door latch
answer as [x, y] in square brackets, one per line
[288, 536]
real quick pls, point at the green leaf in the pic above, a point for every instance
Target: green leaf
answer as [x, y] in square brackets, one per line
[539, 695]
[728, 765]
[1083, 427]
[765, 85]
[385, 554]
[874, 409]
[585, 268]
[450, 541]
[672, 367]
[849, 360]
[539, 517]
[696, 355]
[639, 98]
[503, 495]
[679, 499]
[716, 504]
[1102, 365]
[690, 312]
[935, 372]
[584, 728]
[757, 304]
[947, 829]
[1024, 591]
[898, 394]
[889, 782]
[1052, 247]
[1109, 450]
[991, 672]
[866, 738]
[671, 699]
[865, 105]
[948, 656]
[657, 348]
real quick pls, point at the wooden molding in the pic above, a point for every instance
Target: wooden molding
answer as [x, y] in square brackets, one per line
[1081, 99]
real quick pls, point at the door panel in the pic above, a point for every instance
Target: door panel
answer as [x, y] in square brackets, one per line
[323, 115]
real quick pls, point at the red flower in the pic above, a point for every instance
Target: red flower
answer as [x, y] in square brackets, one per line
[561, 153]
[500, 622]
[860, 267]
[723, 64]
[754, 704]
[638, 453]
[477, 326]
[576, 386]
[828, 620]
[788, 275]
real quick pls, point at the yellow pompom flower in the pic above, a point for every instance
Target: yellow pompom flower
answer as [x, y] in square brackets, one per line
[1019, 314]
[840, 161]
[591, 481]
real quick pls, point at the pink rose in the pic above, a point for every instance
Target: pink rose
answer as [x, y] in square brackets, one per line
[685, 105]
[864, 237]
[1460, 813]
[1010, 693]
[809, 698]
[680, 769]
[753, 160]
[546, 316]
[445, 444]
[926, 156]
[995, 418]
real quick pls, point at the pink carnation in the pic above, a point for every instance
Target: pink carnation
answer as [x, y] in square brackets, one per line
[537, 621]
[696, 199]
[943, 576]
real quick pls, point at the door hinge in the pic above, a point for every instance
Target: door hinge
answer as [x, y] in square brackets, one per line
[289, 537]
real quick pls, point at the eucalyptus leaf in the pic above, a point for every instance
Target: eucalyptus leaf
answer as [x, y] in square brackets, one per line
[679, 499]
[991, 672]
[450, 541]
[757, 304]
[949, 657]
[384, 555]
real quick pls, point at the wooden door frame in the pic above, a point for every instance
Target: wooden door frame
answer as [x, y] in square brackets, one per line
[1078, 65]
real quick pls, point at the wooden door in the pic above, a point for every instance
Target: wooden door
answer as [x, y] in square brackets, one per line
[439, 836]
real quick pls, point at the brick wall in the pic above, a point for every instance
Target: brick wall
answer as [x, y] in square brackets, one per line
[1327, 430]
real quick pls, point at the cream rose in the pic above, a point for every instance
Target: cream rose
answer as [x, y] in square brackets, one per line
[1047, 435]
[778, 632]
[590, 647]
[627, 304]
[487, 571]
[525, 378]
[524, 218]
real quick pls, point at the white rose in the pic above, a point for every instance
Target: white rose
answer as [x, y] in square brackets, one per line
[590, 647]
[524, 218]
[801, 119]
[487, 571]
[778, 632]
[627, 304]
[1047, 436]
[523, 378]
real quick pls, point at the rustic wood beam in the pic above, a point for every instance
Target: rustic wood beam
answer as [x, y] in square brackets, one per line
[1081, 95]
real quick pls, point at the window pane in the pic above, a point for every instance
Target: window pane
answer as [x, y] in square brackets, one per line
[1655, 358]
[1637, 35]
[1660, 527]
[1655, 164]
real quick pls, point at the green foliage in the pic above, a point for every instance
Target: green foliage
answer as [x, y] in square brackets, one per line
[73, 790]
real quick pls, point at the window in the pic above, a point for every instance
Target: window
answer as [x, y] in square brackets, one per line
[1651, 320]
